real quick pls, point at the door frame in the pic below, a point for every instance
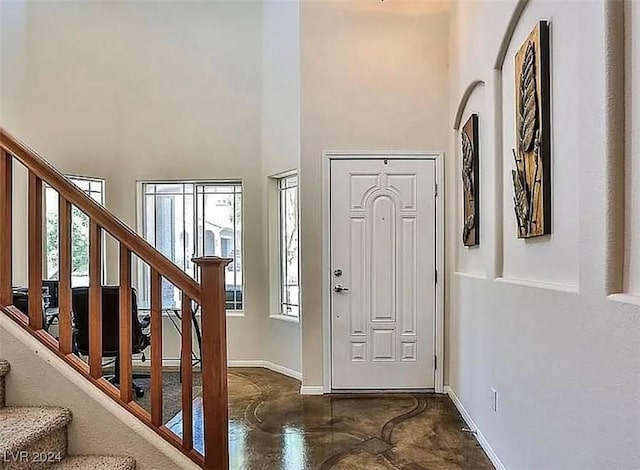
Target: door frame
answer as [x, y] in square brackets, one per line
[327, 158]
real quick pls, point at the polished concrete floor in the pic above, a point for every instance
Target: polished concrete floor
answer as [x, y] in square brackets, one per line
[273, 427]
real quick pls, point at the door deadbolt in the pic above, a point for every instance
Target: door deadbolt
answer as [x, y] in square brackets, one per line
[337, 272]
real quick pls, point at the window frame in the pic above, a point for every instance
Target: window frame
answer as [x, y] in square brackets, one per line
[74, 178]
[143, 279]
[276, 278]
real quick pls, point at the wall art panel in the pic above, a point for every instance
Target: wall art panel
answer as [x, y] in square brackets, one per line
[470, 182]
[532, 175]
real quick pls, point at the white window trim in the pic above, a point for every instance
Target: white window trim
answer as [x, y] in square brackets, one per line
[283, 317]
[137, 273]
[168, 313]
[273, 216]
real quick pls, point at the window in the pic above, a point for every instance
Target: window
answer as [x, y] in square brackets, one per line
[189, 219]
[289, 247]
[92, 187]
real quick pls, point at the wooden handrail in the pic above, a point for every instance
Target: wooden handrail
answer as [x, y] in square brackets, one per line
[118, 229]
[210, 296]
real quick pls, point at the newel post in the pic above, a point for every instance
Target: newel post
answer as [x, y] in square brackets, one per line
[214, 361]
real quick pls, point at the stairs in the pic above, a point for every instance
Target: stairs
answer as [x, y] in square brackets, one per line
[34, 438]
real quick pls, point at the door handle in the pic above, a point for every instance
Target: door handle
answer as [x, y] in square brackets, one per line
[339, 288]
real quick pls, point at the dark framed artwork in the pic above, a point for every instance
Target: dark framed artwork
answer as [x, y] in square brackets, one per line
[532, 175]
[470, 182]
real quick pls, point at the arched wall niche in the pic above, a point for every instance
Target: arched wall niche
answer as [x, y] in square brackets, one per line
[472, 261]
[462, 105]
[552, 261]
[498, 133]
[508, 33]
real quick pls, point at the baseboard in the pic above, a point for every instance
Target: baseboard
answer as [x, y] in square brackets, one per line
[174, 363]
[294, 374]
[312, 390]
[495, 460]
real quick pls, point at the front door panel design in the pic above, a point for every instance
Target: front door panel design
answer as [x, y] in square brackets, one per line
[383, 303]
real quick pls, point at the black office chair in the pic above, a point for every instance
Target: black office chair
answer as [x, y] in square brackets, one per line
[110, 327]
[52, 286]
[21, 302]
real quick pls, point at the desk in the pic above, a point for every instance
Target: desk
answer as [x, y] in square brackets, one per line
[175, 317]
[20, 300]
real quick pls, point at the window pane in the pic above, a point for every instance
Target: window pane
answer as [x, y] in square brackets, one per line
[217, 225]
[237, 252]
[289, 253]
[82, 184]
[173, 233]
[187, 235]
[52, 230]
[183, 220]
[94, 188]
[149, 225]
[169, 240]
[96, 196]
[165, 226]
[79, 248]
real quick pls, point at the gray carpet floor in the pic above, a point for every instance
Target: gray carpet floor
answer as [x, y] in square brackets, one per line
[171, 393]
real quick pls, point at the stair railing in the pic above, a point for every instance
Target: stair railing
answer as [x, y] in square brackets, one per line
[209, 294]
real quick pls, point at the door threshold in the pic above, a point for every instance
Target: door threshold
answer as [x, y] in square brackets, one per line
[381, 390]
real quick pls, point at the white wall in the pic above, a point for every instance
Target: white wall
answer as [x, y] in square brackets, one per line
[280, 153]
[133, 91]
[374, 77]
[632, 231]
[562, 356]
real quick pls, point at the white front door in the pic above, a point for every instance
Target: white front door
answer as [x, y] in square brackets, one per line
[383, 249]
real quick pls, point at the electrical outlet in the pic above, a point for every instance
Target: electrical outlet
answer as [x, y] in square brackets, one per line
[494, 400]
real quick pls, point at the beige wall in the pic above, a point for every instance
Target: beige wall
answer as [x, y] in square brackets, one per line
[280, 152]
[632, 168]
[532, 318]
[374, 77]
[133, 91]
[163, 90]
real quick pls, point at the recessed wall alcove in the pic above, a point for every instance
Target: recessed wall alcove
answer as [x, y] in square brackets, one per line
[552, 261]
[473, 261]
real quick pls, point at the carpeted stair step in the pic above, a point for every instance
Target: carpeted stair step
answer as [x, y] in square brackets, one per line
[32, 438]
[4, 370]
[96, 462]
